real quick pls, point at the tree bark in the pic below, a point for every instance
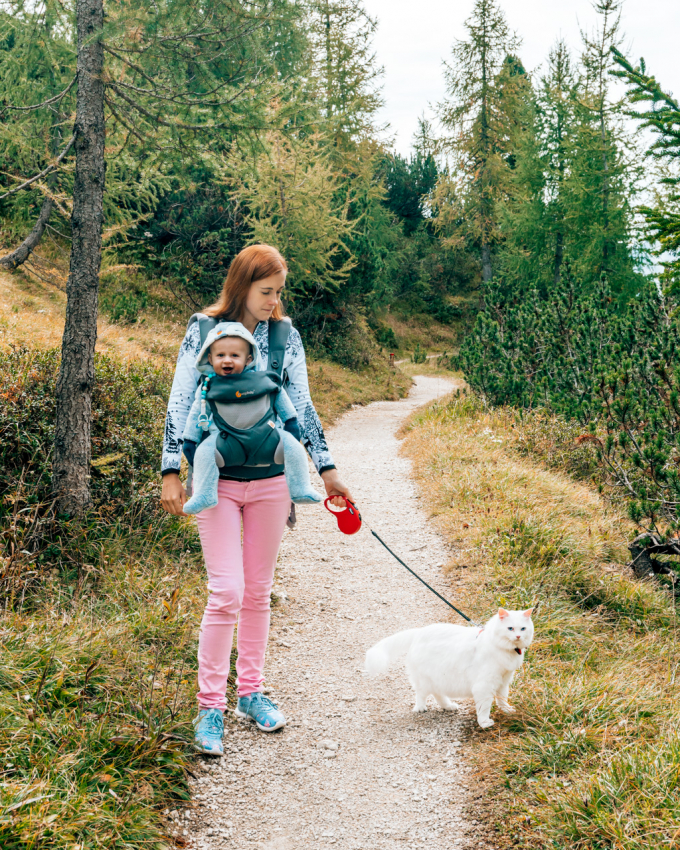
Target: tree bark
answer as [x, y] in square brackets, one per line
[14, 259]
[486, 262]
[71, 464]
[559, 256]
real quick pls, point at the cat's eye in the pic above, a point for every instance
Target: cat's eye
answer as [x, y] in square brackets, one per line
[511, 628]
[523, 628]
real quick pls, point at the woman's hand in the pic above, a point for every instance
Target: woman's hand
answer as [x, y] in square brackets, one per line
[335, 487]
[173, 495]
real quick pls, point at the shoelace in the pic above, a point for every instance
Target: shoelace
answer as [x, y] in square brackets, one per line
[261, 701]
[212, 727]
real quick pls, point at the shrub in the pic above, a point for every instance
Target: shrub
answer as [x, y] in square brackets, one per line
[615, 373]
[128, 408]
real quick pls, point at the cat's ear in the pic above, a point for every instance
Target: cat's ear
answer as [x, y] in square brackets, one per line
[528, 613]
[502, 613]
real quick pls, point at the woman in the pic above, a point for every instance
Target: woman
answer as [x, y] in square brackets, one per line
[240, 537]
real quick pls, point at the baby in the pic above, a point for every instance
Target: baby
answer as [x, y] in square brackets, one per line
[247, 431]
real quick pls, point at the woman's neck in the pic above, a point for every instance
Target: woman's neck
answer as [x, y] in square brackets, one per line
[249, 322]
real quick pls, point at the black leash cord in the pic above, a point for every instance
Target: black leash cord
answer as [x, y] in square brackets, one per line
[380, 540]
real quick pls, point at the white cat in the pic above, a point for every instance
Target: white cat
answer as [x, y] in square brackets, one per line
[460, 662]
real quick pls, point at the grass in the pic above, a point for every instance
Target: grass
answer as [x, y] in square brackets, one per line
[427, 332]
[97, 692]
[592, 758]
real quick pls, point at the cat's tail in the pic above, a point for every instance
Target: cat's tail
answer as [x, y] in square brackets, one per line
[381, 656]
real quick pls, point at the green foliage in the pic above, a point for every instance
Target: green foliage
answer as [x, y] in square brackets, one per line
[409, 184]
[419, 355]
[384, 335]
[663, 119]
[486, 90]
[122, 299]
[297, 202]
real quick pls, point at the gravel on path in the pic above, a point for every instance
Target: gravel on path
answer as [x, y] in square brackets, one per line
[354, 768]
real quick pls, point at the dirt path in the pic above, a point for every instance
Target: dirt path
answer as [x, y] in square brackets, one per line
[354, 768]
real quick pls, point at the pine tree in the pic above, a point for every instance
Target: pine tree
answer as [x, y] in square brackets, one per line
[344, 72]
[663, 119]
[481, 93]
[603, 173]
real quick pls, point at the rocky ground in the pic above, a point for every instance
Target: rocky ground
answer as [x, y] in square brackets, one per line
[354, 768]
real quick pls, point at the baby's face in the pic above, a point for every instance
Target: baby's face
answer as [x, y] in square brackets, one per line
[229, 355]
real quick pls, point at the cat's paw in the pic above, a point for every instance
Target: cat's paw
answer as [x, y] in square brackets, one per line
[419, 709]
[507, 708]
[485, 724]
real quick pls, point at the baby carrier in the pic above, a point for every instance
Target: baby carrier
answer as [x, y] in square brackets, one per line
[248, 446]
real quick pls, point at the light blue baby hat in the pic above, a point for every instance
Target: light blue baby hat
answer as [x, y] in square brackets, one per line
[226, 329]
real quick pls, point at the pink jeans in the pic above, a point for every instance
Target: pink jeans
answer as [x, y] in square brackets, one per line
[240, 578]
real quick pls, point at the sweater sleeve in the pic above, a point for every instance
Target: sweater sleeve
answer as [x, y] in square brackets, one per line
[181, 398]
[297, 387]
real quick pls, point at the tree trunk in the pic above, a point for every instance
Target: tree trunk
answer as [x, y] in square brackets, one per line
[71, 464]
[486, 262]
[23, 252]
[559, 256]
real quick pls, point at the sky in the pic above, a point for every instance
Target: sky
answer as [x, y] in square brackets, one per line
[415, 36]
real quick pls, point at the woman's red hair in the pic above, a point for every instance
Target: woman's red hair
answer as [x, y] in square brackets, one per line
[253, 263]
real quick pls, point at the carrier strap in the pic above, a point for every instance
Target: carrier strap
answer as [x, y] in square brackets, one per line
[278, 337]
[205, 325]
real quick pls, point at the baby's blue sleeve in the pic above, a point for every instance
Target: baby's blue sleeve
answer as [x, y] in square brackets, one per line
[284, 407]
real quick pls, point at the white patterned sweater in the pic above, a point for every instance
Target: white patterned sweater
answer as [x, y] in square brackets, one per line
[186, 380]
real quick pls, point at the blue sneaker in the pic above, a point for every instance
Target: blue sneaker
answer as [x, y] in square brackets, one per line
[209, 727]
[262, 710]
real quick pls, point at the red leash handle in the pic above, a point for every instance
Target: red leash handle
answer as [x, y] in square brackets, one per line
[349, 518]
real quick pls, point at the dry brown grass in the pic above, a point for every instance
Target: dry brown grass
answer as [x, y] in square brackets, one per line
[424, 331]
[592, 759]
[32, 313]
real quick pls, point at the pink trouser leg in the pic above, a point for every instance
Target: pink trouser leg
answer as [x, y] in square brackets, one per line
[239, 581]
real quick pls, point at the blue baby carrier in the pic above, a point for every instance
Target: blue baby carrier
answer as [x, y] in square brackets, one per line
[247, 453]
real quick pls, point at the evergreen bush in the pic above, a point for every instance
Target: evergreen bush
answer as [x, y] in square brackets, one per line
[615, 372]
[128, 412]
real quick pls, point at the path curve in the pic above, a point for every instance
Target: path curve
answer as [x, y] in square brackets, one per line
[354, 768]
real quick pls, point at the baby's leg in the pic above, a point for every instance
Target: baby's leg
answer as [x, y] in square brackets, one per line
[297, 471]
[205, 478]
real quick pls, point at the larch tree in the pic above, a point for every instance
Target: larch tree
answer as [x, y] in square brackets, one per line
[159, 80]
[475, 113]
[604, 171]
[37, 98]
[71, 462]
